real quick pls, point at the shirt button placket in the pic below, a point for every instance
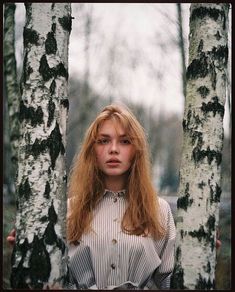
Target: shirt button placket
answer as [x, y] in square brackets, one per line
[114, 241]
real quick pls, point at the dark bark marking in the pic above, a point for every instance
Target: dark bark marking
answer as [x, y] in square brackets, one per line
[53, 143]
[52, 214]
[184, 202]
[44, 69]
[30, 37]
[198, 68]
[206, 63]
[66, 23]
[178, 254]
[204, 284]
[50, 236]
[50, 44]
[215, 194]
[213, 106]
[186, 122]
[202, 234]
[208, 267]
[52, 87]
[213, 75]
[48, 73]
[35, 116]
[19, 273]
[200, 46]
[218, 36]
[47, 191]
[220, 54]
[27, 70]
[51, 110]
[177, 279]
[65, 103]
[199, 155]
[39, 265]
[204, 91]
[61, 71]
[211, 223]
[43, 219]
[25, 190]
[199, 234]
[197, 136]
[182, 233]
[213, 13]
[201, 185]
[53, 27]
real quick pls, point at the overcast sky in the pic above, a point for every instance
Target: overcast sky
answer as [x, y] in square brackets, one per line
[141, 37]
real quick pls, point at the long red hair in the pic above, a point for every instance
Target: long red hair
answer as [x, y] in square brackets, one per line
[86, 187]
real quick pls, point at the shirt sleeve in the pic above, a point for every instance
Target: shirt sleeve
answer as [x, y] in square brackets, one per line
[162, 275]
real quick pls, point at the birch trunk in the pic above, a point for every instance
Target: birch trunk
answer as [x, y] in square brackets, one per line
[10, 82]
[200, 173]
[40, 255]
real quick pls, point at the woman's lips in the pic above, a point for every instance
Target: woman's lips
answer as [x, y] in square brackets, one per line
[113, 162]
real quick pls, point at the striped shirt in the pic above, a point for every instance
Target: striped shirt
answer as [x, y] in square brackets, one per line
[107, 258]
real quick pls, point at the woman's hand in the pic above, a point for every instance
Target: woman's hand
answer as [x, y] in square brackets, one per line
[218, 241]
[11, 238]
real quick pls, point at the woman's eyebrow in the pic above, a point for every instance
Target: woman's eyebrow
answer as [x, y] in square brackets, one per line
[108, 136]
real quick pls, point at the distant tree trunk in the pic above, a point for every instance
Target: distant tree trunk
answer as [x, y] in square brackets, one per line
[182, 47]
[12, 95]
[200, 173]
[39, 256]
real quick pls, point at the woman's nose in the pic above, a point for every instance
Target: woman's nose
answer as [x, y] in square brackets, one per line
[114, 147]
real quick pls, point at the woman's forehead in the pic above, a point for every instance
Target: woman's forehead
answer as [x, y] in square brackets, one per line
[109, 127]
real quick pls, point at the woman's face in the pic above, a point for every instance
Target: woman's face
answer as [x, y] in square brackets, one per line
[114, 151]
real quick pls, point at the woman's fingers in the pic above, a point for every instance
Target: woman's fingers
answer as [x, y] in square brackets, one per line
[11, 238]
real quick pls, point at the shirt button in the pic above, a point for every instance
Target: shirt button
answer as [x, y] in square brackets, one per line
[114, 241]
[113, 266]
[115, 200]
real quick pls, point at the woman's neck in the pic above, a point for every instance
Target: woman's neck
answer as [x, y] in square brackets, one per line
[115, 183]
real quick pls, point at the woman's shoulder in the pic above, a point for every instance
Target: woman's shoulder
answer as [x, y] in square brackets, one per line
[163, 203]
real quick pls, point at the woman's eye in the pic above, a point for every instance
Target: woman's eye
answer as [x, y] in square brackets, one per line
[125, 141]
[102, 141]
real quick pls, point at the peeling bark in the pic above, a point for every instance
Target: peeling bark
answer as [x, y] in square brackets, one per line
[40, 255]
[200, 173]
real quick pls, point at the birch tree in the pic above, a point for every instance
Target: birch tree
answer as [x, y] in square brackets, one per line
[200, 173]
[40, 254]
[11, 90]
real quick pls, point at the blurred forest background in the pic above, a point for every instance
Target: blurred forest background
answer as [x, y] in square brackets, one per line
[135, 54]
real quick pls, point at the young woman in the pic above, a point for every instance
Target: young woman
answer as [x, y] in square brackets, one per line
[121, 235]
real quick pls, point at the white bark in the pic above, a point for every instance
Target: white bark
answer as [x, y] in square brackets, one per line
[39, 256]
[11, 85]
[199, 190]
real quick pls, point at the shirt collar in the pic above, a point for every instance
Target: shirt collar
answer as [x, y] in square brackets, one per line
[120, 193]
